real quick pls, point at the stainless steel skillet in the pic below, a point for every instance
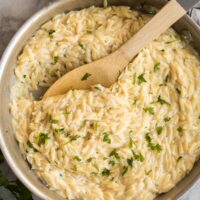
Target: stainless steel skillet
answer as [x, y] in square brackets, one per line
[8, 143]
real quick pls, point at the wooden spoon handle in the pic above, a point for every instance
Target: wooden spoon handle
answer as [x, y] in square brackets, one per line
[165, 18]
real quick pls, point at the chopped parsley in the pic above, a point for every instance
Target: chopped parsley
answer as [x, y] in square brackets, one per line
[134, 79]
[156, 67]
[97, 88]
[138, 157]
[52, 121]
[105, 172]
[51, 32]
[74, 168]
[73, 137]
[86, 76]
[89, 160]
[156, 147]
[106, 138]
[131, 143]
[168, 42]
[67, 113]
[151, 145]
[141, 79]
[24, 75]
[159, 130]
[130, 162]
[77, 158]
[167, 119]
[89, 32]
[60, 130]
[42, 138]
[149, 110]
[115, 154]
[95, 166]
[178, 91]
[162, 101]
[55, 59]
[179, 158]
[112, 162]
[82, 46]
[135, 102]
[94, 125]
[179, 129]
[29, 144]
[148, 172]
[124, 170]
[167, 78]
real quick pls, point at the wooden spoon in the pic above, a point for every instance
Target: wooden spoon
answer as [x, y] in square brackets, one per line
[106, 70]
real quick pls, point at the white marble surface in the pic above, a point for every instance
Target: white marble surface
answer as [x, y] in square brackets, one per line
[12, 15]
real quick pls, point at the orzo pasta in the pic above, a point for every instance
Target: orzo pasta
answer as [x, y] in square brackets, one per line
[134, 140]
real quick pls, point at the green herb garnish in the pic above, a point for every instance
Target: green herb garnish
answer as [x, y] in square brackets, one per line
[51, 32]
[95, 166]
[42, 138]
[89, 160]
[52, 121]
[59, 130]
[135, 102]
[156, 67]
[141, 79]
[29, 144]
[149, 110]
[179, 129]
[168, 42]
[159, 130]
[24, 75]
[77, 158]
[124, 170]
[179, 158]
[86, 76]
[67, 113]
[130, 162]
[105, 172]
[138, 157]
[73, 137]
[156, 147]
[134, 79]
[55, 59]
[151, 145]
[166, 119]
[82, 46]
[162, 101]
[167, 78]
[94, 125]
[97, 88]
[148, 172]
[131, 143]
[74, 168]
[115, 154]
[106, 138]
[179, 92]
[147, 137]
[112, 162]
